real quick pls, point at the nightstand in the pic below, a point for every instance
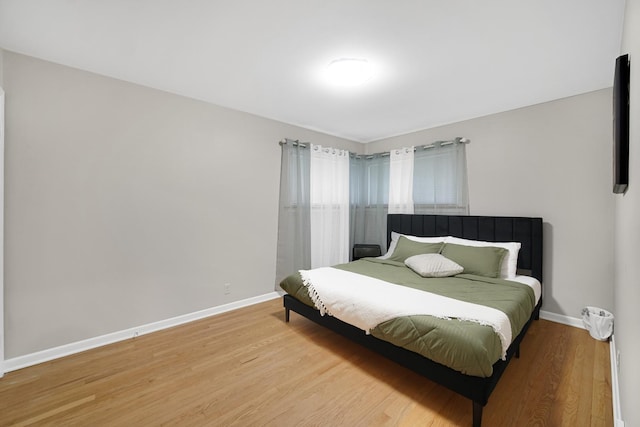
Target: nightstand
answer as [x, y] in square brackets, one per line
[361, 250]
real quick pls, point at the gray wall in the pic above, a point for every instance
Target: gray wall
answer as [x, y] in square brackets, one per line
[127, 205]
[551, 160]
[121, 209]
[2, 357]
[627, 234]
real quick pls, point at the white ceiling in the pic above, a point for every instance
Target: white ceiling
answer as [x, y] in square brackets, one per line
[437, 61]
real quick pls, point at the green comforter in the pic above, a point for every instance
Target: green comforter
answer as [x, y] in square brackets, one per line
[461, 345]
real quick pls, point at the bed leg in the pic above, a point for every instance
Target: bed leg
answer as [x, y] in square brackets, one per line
[518, 352]
[477, 414]
[286, 314]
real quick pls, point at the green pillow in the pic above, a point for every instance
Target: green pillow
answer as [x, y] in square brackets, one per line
[479, 260]
[406, 248]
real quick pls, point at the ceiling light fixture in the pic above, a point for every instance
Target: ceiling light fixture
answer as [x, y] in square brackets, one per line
[349, 71]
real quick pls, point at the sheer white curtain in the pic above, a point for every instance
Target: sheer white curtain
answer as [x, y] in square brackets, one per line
[329, 195]
[440, 179]
[401, 181]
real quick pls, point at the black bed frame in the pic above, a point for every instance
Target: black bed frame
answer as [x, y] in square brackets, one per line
[527, 231]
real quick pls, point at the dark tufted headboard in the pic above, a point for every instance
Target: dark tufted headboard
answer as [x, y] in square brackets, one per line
[527, 231]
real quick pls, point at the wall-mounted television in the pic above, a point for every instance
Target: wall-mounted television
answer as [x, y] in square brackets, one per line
[621, 124]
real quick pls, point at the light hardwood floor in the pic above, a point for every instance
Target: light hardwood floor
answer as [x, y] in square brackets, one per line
[250, 368]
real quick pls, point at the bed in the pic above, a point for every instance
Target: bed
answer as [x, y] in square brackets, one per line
[471, 376]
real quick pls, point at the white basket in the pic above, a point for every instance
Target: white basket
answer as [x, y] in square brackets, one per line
[598, 321]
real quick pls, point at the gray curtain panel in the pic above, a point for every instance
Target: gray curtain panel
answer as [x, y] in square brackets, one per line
[294, 219]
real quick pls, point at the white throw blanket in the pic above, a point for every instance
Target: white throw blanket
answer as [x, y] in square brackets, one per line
[365, 302]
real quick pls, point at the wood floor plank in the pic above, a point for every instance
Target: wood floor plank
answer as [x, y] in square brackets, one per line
[250, 368]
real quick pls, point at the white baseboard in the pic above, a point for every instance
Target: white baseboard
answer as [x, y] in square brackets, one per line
[79, 346]
[560, 318]
[615, 389]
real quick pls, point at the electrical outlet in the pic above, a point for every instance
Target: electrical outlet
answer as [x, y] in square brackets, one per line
[227, 288]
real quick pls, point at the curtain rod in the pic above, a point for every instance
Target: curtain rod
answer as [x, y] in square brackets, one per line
[458, 139]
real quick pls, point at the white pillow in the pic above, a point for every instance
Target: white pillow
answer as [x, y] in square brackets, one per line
[394, 241]
[433, 265]
[509, 263]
